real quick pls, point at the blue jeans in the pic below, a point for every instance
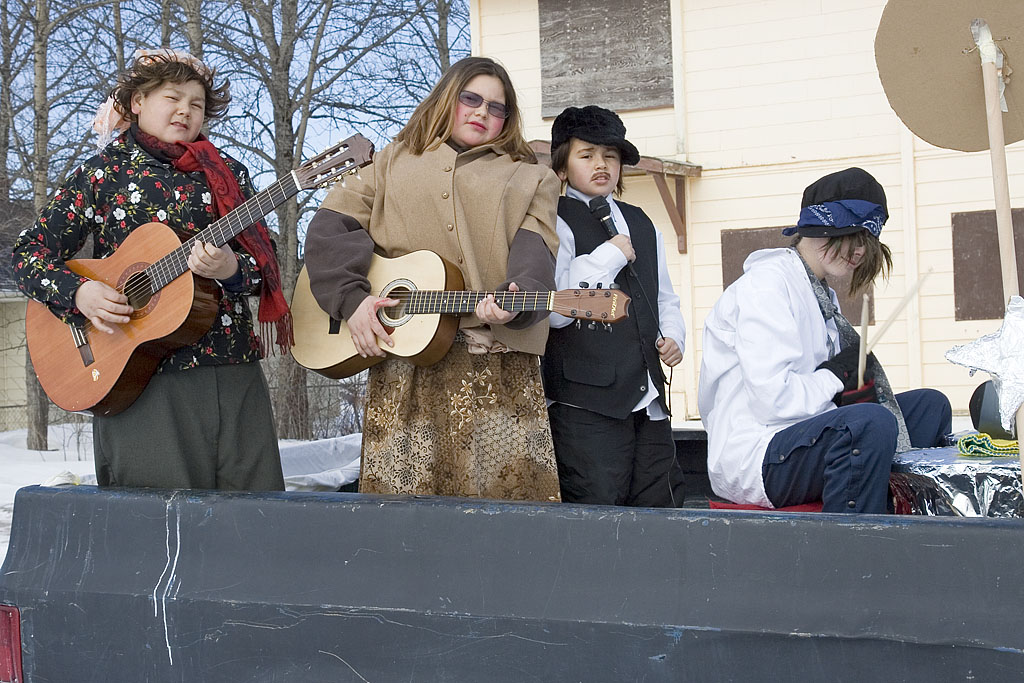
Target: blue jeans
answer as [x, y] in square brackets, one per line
[843, 457]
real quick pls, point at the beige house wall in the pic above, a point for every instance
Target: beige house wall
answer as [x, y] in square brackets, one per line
[12, 363]
[770, 96]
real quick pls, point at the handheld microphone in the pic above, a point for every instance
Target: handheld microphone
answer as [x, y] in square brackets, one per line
[603, 212]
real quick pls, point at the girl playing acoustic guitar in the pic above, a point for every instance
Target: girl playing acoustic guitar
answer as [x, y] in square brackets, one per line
[204, 420]
[460, 180]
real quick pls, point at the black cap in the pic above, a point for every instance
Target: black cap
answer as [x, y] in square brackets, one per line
[596, 125]
[850, 183]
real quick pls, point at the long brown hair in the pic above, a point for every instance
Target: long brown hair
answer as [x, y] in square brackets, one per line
[434, 117]
[877, 257]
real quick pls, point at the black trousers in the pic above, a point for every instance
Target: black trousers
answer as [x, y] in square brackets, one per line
[607, 461]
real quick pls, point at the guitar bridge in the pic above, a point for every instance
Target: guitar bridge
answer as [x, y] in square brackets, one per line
[82, 344]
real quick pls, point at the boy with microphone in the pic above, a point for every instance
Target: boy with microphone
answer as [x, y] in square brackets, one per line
[609, 404]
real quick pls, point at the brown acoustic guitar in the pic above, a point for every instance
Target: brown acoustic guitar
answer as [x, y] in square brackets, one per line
[83, 370]
[424, 323]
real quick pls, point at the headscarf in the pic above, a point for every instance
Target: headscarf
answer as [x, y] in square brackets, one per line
[109, 122]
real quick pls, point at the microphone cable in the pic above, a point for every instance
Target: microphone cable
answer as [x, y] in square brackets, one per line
[602, 210]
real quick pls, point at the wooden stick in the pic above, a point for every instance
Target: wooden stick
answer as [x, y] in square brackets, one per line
[899, 308]
[997, 154]
[1016, 431]
[862, 361]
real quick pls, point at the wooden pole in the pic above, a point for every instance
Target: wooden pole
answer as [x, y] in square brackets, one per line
[1016, 432]
[997, 154]
[862, 361]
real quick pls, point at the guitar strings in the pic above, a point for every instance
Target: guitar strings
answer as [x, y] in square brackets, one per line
[455, 301]
[173, 264]
[453, 298]
[223, 228]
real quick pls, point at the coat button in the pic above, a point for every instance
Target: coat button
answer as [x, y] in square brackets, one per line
[643, 388]
[460, 259]
[852, 504]
[450, 226]
[782, 458]
[444, 195]
[856, 451]
[447, 168]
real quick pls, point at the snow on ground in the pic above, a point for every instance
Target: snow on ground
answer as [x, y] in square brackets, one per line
[323, 465]
[71, 451]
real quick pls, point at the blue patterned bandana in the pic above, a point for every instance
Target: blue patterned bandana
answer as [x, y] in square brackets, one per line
[841, 215]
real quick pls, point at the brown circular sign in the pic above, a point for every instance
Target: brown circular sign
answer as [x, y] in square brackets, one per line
[931, 71]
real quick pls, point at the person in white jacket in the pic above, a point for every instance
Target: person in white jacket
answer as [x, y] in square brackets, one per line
[787, 422]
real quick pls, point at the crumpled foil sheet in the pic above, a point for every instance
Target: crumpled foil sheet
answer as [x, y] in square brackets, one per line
[939, 481]
[1001, 354]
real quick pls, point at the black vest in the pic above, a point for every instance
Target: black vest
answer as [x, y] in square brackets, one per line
[606, 371]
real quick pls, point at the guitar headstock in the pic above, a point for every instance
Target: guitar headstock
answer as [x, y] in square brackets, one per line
[600, 305]
[327, 166]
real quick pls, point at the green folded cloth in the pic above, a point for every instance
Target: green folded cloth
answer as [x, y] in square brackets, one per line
[985, 445]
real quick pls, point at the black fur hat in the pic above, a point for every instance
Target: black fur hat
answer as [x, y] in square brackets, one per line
[595, 125]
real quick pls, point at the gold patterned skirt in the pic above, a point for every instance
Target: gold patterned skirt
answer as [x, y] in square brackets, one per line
[473, 425]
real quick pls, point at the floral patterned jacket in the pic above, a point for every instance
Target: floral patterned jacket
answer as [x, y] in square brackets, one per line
[108, 196]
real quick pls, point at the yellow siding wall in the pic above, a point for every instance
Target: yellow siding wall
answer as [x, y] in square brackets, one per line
[770, 96]
[12, 364]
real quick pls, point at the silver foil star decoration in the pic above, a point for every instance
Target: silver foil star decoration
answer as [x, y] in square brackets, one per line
[1000, 354]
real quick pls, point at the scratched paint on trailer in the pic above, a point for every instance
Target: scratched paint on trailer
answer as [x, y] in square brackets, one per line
[224, 587]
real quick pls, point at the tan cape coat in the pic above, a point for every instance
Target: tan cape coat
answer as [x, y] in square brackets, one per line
[467, 207]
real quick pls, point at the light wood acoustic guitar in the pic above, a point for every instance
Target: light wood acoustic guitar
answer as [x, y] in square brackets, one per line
[424, 323]
[84, 370]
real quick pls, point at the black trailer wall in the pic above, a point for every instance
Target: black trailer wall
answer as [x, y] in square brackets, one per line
[192, 586]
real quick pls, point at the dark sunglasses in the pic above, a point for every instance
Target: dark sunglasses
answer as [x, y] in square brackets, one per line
[495, 109]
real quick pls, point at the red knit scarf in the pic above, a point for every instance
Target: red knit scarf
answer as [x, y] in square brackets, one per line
[201, 155]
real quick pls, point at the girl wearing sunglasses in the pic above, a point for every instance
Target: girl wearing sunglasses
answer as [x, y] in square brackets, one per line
[460, 180]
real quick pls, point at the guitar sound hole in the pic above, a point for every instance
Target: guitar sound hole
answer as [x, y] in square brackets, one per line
[139, 290]
[392, 316]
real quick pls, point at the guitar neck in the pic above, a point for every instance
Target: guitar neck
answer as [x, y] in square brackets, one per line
[224, 229]
[446, 301]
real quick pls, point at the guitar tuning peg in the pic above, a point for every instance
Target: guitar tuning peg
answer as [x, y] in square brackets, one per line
[614, 285]
[578, 323]
[592, 325]
[584, 285]
[607, 327]
[599, 285]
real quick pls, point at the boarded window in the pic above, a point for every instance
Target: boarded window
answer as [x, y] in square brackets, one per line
[977, 276]
[613, 53]
[738, 244]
